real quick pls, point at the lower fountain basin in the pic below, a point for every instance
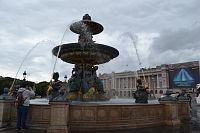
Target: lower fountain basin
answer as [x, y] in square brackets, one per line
[117, 114]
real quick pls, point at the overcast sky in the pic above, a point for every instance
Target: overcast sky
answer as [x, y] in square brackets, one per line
[166, 31]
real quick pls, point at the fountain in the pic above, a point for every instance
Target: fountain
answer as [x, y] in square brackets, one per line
[84, 84]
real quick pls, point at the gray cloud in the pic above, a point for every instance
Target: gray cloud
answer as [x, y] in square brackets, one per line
[167, 32]
[176, 46]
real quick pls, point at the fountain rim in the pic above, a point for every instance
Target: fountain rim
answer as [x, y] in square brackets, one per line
[98, 29]
[76, 47]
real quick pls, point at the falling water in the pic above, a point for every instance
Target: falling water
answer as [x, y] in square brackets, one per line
[134, 40]
[84, 32]
[85, 36]
[25, 57]
[80, 26]
[60, 46]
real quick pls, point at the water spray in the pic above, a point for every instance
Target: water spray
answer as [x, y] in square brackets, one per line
[134, 40]
[25, 57]
[59, 49]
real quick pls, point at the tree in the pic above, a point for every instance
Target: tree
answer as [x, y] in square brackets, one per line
[6, 82]
[41, 88]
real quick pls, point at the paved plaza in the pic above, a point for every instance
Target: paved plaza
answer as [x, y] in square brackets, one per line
[12, 130]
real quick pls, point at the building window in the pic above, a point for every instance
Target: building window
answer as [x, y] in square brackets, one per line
[124, 86]
[129, 82]
[160, 84]
[129, 94]
[117, 93]
[156, 92]
[163, 75]
[113, 93]
[161, 91]
[124, 93]
[120, 93]
[120, 83]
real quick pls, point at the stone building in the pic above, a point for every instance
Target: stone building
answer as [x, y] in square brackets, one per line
[123, 84]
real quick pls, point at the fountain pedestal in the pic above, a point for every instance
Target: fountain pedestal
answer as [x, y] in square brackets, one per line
[6, 109]
[59, 117]
[6, 112]
[171, 114]
[184, 110]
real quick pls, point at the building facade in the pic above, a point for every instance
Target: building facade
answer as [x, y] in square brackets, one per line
[158, 79]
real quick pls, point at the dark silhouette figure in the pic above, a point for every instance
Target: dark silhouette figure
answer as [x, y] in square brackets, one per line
[141, 94]
[55, 86]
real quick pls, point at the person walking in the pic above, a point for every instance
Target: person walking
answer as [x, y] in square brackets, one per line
[24, 94]
[190, 100]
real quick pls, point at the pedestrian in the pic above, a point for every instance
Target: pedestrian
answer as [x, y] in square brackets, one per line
[24, 94]
[190, 100]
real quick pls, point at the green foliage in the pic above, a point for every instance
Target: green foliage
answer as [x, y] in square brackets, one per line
[41, 88]
[6, 82]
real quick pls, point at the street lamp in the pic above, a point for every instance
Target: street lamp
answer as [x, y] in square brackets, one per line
[65, 78]
[24, 75]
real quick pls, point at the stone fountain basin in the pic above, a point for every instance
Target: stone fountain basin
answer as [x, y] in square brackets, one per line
[115, 114]
[88, 53]
[63, 117]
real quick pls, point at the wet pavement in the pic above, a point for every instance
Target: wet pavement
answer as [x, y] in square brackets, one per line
[190, 127]
[195, 119]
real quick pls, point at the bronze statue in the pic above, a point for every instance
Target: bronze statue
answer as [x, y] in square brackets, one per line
[141, 94]
[85, 82]
[54, 87]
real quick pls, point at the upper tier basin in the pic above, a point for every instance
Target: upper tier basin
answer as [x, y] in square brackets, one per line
[87, 27]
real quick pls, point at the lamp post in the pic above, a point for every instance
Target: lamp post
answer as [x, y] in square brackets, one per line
[24, 75]
[65, 77]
